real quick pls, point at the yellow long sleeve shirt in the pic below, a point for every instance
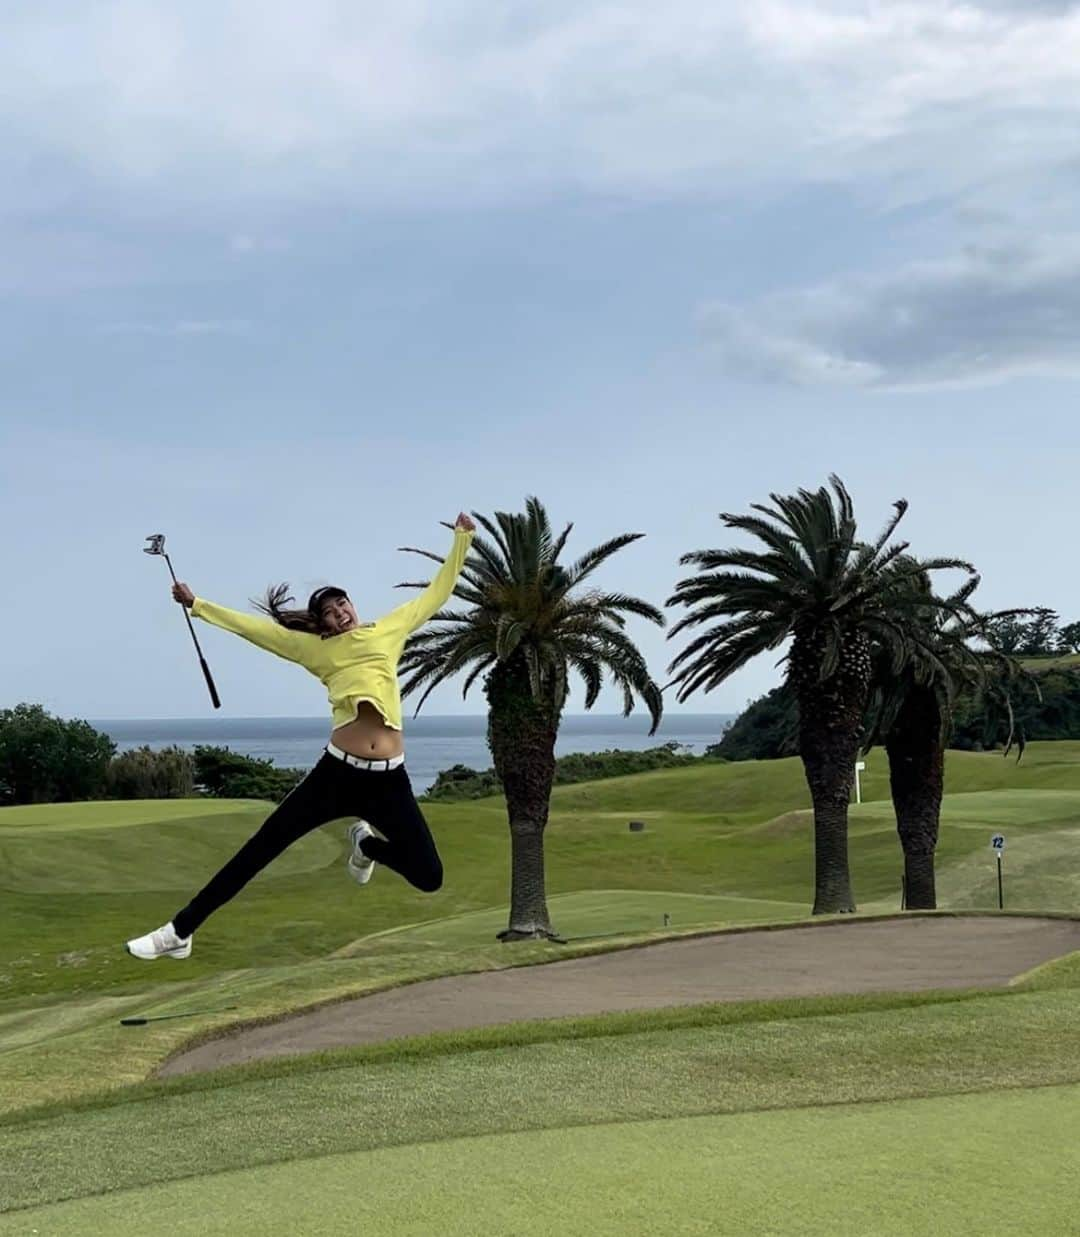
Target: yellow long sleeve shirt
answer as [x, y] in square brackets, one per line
[357, 665]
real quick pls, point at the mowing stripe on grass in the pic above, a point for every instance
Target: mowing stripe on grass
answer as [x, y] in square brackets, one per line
[924, 1167]
[55, 818]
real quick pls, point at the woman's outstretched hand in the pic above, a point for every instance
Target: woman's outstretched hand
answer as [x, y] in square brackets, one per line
[463, 521]
[183, 594]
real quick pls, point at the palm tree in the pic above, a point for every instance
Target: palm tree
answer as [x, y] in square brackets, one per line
[912, 712]
[530, 623]
[815, 583]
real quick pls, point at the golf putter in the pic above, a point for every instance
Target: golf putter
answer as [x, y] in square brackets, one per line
[157, 547]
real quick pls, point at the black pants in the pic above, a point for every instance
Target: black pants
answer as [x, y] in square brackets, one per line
[331, 790]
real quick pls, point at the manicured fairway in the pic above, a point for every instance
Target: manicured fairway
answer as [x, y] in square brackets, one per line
[622, 1067]
[975, 1164]
[724, 844]
[949, 1112]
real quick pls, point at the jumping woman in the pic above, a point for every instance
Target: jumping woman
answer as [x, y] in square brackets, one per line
[361, 774]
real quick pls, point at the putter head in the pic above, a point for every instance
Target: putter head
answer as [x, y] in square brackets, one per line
[157, 544]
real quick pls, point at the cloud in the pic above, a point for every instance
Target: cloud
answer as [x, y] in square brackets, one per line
[389, 104]
[981, 317]
[1026, 6]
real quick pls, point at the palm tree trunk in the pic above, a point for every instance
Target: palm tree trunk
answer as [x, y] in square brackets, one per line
[521, 736]
[830, 731]
[916, 751]
[529, 919]
[829, 761]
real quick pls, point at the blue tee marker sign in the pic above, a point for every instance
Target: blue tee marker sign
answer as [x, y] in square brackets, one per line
[997, 843]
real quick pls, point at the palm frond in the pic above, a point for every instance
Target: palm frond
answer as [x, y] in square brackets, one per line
[594, 557]
[632, 605]
[495, 532]
[560, 542]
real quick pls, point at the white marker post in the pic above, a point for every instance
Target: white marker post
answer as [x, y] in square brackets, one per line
[997, 843]
[859, 766]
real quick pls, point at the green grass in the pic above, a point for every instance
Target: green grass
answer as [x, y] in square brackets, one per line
[113, 814]
[585, 916]
[173, 857]
[1054, 661]
[617, 1068]
[724, 845]
[648, 1122]
[915, 1167]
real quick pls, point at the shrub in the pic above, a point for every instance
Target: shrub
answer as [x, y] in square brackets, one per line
[145, 774]
[229, 775]
[461, 782]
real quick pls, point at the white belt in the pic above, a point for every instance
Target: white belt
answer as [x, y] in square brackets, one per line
[360, 763]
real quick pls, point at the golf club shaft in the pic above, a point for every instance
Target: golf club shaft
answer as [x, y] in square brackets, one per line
[202, 660]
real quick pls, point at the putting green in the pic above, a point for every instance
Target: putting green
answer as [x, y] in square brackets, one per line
[926, 1166]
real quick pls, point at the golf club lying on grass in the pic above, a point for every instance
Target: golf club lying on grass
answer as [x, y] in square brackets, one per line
[141, 1022]
[157, 546]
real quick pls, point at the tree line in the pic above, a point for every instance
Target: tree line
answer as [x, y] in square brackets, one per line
[461, 782]
[1038, 632]
[47, 759]
[1044, 706]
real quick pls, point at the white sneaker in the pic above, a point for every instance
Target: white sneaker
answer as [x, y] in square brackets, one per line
[161, 943]
[359, 865]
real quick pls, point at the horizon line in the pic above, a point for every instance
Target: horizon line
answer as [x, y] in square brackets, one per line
[297, 717]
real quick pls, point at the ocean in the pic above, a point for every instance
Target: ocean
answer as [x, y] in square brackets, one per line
[431, 743]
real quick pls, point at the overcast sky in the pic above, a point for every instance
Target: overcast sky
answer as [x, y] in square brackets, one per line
[294, 283]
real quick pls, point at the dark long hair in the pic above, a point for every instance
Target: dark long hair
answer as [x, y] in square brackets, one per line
[274, 604]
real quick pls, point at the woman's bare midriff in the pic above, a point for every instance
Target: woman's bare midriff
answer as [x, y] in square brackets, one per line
[368, 736]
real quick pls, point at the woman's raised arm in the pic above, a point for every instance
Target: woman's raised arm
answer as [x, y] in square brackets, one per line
[415, 613]
[263, 632]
